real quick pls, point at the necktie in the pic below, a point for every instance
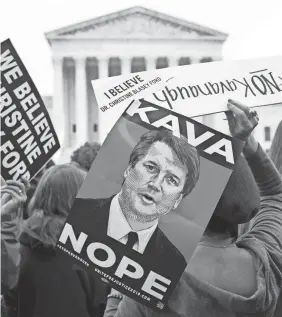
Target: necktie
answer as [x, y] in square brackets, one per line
[132, 238]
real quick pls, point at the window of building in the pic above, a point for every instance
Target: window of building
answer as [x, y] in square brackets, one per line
[95, 127]
[267, 134]
[74, 128]
[114, 66]
[138, 64]
[206, 60]
[184, 61]
[162, 62]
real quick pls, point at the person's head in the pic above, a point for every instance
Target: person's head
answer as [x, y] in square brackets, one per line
[85, 155]
[162, 170]
[275, 152]
[52, 201]
[239, 202]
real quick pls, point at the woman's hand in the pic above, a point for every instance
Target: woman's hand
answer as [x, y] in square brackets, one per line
[115, 293]
[13, 196]
[242, 122]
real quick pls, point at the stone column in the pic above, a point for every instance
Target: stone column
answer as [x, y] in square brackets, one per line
[150, 63]
[58, 115]
[173, 61]
[103, 67]
[126, 65]
[81, 101]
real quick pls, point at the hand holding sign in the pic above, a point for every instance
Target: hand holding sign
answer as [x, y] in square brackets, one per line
[13, 196]
[241, 120]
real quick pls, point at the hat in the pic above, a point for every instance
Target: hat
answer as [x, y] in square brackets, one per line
[240, 200]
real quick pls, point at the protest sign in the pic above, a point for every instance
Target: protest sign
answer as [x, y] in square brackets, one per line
[28, 139]
[157, 174]
[194, 90]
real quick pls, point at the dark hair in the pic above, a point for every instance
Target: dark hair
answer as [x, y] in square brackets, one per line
[85, 155]
[275, 152]
[186, 153]
[52, 202]
[33, 184]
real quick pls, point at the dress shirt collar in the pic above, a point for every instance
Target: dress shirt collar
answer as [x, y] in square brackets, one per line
[118, 227]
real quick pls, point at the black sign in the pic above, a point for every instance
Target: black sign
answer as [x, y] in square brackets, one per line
[28, 139]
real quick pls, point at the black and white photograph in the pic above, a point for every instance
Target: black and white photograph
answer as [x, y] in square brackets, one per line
[141, 156]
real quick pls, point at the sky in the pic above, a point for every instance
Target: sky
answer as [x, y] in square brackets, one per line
[254, 26]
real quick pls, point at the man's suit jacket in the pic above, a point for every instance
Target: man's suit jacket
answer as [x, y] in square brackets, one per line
[161, 256]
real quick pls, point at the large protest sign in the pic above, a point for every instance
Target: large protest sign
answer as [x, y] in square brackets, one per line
[160, 180]
[193, 90]
[28, 139]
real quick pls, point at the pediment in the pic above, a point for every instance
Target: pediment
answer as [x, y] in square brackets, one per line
[135, 23]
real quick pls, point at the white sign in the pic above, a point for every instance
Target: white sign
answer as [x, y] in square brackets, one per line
[192, 90]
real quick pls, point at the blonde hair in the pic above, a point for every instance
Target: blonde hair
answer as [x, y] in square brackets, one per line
[52, 201]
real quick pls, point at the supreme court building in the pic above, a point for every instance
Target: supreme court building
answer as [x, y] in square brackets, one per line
[127, 41]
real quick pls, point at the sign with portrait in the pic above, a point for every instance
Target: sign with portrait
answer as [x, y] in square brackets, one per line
[147, 200]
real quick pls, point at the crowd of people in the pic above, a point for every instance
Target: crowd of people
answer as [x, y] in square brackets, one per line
[236, 269]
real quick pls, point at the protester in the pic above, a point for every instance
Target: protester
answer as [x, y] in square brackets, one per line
[48, 285]
[85, 155]
[229, 276]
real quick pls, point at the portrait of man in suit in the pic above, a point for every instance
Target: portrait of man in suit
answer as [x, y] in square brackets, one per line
[162, 170]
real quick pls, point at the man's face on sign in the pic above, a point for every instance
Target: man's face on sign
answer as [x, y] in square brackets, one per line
[153, 187]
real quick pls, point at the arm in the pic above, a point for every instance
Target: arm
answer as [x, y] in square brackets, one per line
[264, 237]
[10, 254]
[112, 306]
[265, 173]
[12, 198]
[119, 305]
[267, 224]
[129, 308]
[264, 240]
